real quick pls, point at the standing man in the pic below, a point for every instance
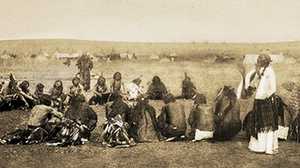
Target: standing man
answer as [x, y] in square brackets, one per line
[263, 122]
[85, 65]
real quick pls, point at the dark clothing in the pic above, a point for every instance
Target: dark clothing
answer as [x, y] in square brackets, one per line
[188, 89]
[264, 116]
[157, 90]
[115, 130]
[227, 131]
[172, 120]
[194, 117]
[42, 98]
[67, 132]
[80, 111]
[118, 107]
[101, 88]
[11, 102]
[56, 93]
[143, 126]
[57, 97]
[101, 100]
[101, 95]
[47, 125]
[201, 118]
[85, 65]
[294, 129]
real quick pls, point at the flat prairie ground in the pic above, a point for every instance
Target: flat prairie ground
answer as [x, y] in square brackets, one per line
[207, 77]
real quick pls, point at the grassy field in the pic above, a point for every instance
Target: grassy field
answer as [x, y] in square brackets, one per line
[187, 50]
[207, 76]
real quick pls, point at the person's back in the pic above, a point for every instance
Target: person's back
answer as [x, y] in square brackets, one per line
[176, 115]
[118, 107]
[201, 117]
[172, 120]
[79, 110]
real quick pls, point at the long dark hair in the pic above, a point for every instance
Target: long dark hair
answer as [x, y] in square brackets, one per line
[60, 88]
[24, 85]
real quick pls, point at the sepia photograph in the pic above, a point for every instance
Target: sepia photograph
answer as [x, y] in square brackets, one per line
[149, 84]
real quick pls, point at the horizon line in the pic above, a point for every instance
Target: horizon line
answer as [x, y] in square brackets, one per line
[128, 41]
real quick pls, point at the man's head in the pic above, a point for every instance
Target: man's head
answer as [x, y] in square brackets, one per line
[11, 77]
[57, 84]
[186, 77]
[263, 60]
[40, 87]
[76, 81]
[101, 80]
[24, 85]
[156, 79]
[117, 76]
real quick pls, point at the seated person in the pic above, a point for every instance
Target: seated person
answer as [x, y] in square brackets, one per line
[46, 124]
[188, 88]
[201, 119]
[76, 93]
[115, 130]
[80, 112]
[8, 94]
[25, 98]
[101, 93]
[157, 89]
[144, 126]
[57, 95]
[40, 96]
[117, 86]
[16, 96]
[76, 88]
[172, 120]
[134, 89]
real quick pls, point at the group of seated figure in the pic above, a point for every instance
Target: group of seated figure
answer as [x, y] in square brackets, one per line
[60, 118]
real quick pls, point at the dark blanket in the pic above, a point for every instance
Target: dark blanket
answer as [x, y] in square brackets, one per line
[143, 126]
[294, 130]
[83, 114]
[172, 120]
[264, 116]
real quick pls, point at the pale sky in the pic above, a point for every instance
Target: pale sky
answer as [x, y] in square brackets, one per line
[152, 20]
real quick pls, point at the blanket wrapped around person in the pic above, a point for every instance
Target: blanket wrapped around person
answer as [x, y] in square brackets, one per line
[46, 124]
[115, 129]
[115, 133]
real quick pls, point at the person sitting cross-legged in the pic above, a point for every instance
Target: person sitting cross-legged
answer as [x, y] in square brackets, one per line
[101, 93]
